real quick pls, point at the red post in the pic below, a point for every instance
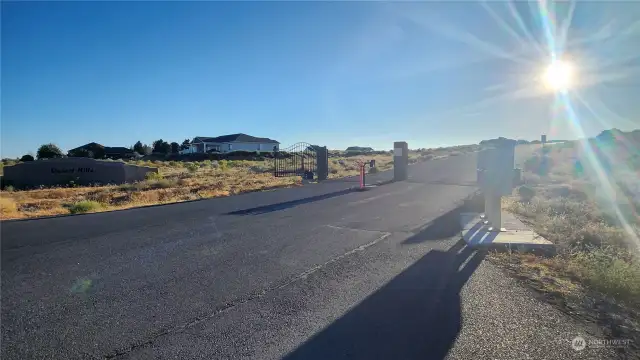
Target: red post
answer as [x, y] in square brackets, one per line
[361, 176]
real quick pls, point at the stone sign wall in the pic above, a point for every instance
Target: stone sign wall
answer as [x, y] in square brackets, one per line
[82, 171]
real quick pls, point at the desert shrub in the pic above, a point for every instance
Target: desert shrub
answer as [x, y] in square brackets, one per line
[153, 176]
[526, 193]
[537, 164]
[27, 157]
[242, 153]
[9, 188]
[609, 270]
[259, 169]
[205, 163]
[224, 164]
[571, 224]
[192, 167]
[333, 171]
[215, 164]
[161, 183]
[84, 206]
[127, 187]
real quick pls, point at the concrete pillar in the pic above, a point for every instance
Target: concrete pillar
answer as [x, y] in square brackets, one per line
[323, 163]
[400, 160]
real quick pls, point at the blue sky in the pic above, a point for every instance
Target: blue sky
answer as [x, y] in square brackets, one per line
[330, 73]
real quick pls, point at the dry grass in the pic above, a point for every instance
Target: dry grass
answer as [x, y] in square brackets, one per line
[175, 184]
[340, 167]
[596, 235]
[8, 207]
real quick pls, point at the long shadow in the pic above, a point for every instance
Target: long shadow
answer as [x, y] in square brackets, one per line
[469, 183]
[414, 316]
[447, 225]
[288, 204]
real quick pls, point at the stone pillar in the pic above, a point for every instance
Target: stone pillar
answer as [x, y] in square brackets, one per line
[400, 160]
[323, 163]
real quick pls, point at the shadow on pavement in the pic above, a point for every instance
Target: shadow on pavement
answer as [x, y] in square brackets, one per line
[414, 316]
[288, 204]
[470, 183]
[447, 225]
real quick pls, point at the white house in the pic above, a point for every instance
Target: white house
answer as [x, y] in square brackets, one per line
[228, 143]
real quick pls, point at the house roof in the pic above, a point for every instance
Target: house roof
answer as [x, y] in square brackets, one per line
[89, 146]
[117, 150]
[107, 149]
[236, 138]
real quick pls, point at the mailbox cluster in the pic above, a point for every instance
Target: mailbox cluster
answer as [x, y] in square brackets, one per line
[495, 178]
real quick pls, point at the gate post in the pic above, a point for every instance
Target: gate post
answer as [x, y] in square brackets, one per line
[323, 163]
[400, 160]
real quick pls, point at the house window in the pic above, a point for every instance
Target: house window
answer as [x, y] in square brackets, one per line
[229, 146]
[258, 147]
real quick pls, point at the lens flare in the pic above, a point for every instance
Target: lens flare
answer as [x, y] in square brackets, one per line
[559, 76]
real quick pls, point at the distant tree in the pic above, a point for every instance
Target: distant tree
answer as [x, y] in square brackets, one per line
[27, 158]
[162, 147]
[49, 151]
[147, 150]
[82, 152]
[185, 144]
[139, 148]
[175, 147]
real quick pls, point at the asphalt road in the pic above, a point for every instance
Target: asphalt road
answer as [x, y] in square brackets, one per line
[317, 272]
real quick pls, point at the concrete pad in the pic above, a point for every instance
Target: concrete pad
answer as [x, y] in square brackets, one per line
[517, 236]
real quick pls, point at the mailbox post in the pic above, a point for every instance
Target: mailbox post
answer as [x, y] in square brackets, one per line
[495, 177]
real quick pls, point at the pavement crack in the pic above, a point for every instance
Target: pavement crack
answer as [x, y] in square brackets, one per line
[237, 302]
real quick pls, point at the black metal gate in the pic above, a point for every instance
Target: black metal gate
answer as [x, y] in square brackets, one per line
[301, 159]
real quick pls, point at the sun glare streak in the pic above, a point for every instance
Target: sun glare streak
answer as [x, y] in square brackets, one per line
[609, 157]
[465, 37]
[600, 119]
[562, 97]
[504, 26]
[599, 170]
[522, 27]
[566, 23]
[609, 113]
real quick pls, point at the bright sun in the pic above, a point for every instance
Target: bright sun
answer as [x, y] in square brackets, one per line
[559, 76]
